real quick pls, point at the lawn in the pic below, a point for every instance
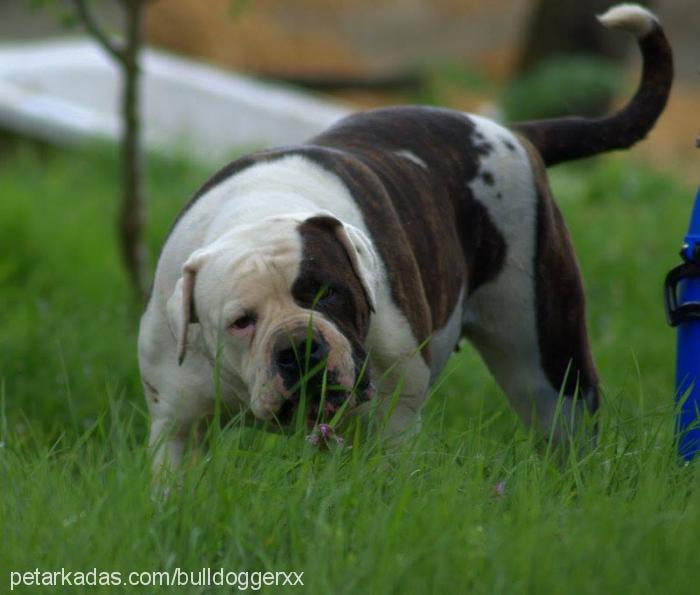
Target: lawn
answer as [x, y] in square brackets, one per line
[472, 504]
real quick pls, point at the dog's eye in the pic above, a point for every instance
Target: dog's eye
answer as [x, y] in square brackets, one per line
[323, 293]
[315, 292]
[327, 293]
[243, 323]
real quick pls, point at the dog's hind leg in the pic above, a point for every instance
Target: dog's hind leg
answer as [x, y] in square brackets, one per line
[528, 323]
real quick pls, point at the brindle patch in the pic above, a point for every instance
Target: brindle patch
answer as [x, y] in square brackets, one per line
[560, 299]
[482, 244]
[328, 283]
[419, 219]
[390, 238]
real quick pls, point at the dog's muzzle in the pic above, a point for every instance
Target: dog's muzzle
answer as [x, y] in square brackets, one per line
[301, 370]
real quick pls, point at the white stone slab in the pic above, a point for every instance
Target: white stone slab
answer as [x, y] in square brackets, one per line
[67, 91]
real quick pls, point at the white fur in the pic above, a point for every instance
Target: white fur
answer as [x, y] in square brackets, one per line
[411, 156]
[633, 18]
[444, 340]
[500, 317]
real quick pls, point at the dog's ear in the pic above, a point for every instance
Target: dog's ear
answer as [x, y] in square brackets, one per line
[181, 306]
[359, 250]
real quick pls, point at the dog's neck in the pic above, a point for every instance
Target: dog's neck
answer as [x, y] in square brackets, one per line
[291, 185]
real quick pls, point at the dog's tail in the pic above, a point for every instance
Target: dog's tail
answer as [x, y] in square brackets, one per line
[565, 139]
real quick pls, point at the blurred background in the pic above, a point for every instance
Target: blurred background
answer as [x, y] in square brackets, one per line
[512, 59]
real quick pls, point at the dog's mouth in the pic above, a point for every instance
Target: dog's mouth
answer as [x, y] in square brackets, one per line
[322, 401]
[314, 413]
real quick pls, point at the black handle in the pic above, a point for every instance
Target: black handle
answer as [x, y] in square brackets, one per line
[675, 313]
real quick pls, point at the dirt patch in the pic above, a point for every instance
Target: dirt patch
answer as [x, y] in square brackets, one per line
[361, 37]
[251, 41]
[331, 36]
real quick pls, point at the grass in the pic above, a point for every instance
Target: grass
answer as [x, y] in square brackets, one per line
[433, 517]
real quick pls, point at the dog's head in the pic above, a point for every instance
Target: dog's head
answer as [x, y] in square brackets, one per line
[285, 306]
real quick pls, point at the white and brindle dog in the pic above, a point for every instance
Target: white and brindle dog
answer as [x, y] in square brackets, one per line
[387, 238]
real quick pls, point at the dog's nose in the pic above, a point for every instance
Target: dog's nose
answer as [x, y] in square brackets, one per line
[298, 356]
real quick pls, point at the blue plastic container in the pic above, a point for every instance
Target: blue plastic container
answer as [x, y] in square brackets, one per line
[683, 312]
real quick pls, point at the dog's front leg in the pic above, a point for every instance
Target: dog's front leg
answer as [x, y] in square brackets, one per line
[401, 390]
[167, 443]
[174, 421]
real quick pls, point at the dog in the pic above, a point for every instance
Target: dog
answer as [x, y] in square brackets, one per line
[370, 251]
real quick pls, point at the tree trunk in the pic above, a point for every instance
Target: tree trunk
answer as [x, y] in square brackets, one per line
[132, 217]
[132, 213]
